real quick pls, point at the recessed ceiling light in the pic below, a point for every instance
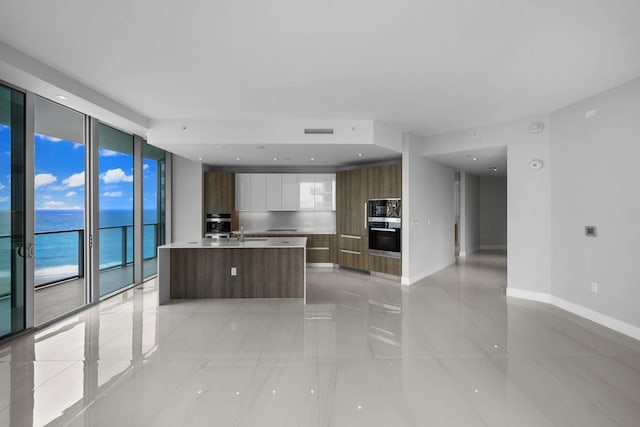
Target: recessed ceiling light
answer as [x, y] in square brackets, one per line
[474, 158]
[494, 169]
[275, 158]
[238, 158]
[62, 97]
[360, 154]
[312, 159]
[200, 158]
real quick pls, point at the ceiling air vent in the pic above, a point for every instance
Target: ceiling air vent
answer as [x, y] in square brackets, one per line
[318, 131]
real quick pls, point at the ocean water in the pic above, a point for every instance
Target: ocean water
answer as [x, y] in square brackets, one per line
[57, 252]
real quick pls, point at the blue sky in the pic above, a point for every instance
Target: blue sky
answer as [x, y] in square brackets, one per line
[59, 175]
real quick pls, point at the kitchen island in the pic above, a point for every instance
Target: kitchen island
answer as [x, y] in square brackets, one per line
[229, 268]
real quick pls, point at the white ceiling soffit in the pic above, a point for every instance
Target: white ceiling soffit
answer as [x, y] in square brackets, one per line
[283, 156]
[427, 67]
[481, 161]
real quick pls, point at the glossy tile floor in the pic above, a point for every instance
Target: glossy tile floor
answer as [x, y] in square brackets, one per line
[451, 350]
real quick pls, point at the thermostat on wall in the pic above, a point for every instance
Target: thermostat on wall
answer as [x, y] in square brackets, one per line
[590, 231]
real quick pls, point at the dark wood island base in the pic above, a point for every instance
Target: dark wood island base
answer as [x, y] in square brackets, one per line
[270, 268]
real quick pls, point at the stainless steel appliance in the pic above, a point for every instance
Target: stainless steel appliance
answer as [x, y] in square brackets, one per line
[218, 224]
[385, 227]
[385, 208]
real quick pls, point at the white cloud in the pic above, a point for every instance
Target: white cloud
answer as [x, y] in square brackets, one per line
[115, 175]
[50, 138]
[77, 145]
[75, 180]
[5, 198]
[112, 194]
[145, 167]
[44, 179]
[108, 153]
[70, 194]
[1, 186]
[54, 204]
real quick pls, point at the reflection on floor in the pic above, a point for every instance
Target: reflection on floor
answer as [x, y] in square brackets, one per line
[452, 350]
[56, 300]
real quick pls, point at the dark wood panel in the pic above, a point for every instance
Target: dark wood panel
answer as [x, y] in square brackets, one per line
[385, 265]
[261, 273]
[219, 192]
[351, 199]
[385, 182]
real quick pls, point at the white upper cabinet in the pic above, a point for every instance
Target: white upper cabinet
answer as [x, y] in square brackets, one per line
[285, 192]
[258, 192]
[243, 192]
[290, 199]
[306, 184]
[274, 192]
[325, 192]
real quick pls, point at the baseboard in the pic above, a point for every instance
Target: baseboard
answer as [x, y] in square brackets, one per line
[410, 280]
[578, 310]
[530, 295]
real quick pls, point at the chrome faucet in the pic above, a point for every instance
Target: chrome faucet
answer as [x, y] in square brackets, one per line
[242, 233]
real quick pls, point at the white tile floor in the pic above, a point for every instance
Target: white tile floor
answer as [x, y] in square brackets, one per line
[451, 350]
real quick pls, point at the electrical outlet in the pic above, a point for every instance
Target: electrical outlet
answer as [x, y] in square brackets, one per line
[594, 287]
[234, 271]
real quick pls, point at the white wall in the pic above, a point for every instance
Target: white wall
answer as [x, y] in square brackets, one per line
[469, 214]
[493, 212]
[428, 213]
[528, 196]
[186, 203]
[595, 181]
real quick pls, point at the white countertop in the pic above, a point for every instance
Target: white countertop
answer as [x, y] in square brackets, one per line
[249, 242]
[286, 231]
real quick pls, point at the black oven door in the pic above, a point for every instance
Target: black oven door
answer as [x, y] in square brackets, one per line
[384, 238]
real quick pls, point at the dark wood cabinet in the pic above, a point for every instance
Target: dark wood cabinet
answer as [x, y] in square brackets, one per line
[385, 182]
[353, 189]
[384, 264]
[219, 192]
[320, 248]
[351, 218]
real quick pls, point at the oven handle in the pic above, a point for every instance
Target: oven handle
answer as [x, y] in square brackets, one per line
[392, 230]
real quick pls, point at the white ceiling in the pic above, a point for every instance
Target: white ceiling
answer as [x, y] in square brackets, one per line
[427, 67]
[478, 162]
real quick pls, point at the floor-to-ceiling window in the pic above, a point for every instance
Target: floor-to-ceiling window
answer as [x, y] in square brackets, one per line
[153, 190]
[12, 210]
[59, 199]
[115, 192]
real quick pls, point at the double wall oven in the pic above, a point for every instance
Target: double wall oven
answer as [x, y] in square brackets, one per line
[385, 227]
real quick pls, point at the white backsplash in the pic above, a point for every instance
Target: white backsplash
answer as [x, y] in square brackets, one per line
[312, 221]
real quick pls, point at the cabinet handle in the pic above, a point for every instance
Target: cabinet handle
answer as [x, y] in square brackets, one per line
[390, 230]
[318, 249]
[349, 252]
[365, 216]
[349, 236]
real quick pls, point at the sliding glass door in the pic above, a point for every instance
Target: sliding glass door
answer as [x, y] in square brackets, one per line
[115, 195]
[59, 210]
[12, 211]
[153, 213]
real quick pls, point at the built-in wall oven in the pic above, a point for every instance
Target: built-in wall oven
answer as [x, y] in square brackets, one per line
[385, 227]
[218, 225]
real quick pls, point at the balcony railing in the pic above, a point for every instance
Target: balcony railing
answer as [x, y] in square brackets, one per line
[60, 254]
